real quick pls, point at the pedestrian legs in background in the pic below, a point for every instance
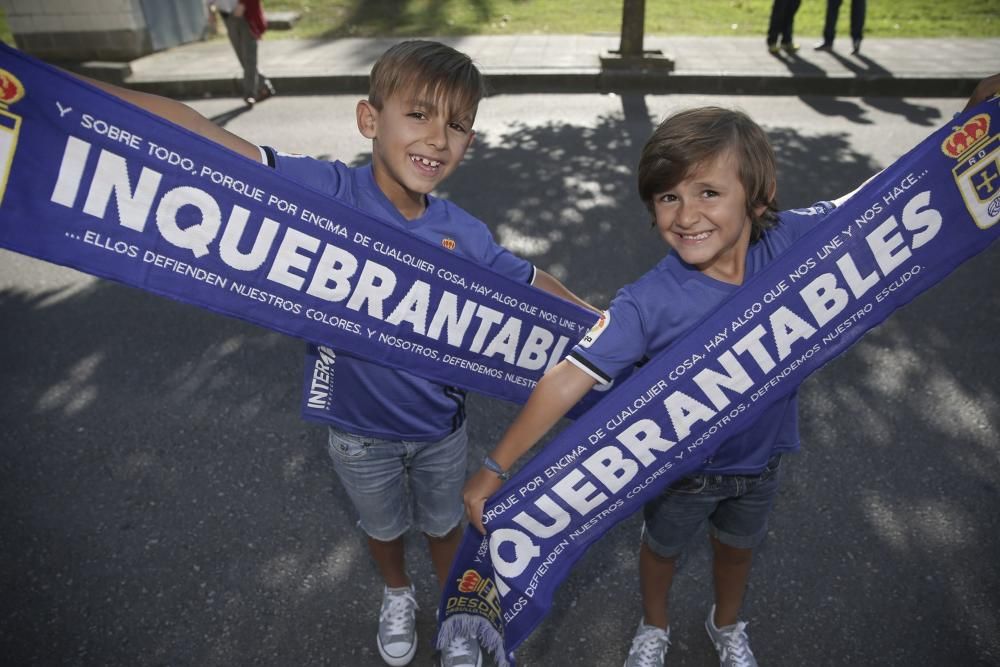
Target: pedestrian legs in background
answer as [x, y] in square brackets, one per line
[858, 9]
[779, 31]
[256, 87]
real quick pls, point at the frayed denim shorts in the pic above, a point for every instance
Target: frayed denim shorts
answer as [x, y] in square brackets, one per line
[736, 507]
[394, 483]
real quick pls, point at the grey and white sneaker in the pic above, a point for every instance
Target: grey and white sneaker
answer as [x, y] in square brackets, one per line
[397, 626]
[462, 652]
[731, 643]
[649, 647]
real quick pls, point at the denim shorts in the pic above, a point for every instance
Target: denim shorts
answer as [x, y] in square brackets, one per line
[736, 506]
[391, 482]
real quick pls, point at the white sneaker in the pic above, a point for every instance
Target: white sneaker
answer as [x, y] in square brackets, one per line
[649, 647]
[462, 652]
[731, 643]
[397, 626]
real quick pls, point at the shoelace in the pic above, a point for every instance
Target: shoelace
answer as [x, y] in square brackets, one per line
[649, 645]
[736, 647]
[397, 612]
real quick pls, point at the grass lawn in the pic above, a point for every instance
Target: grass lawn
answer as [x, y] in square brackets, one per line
[399, 18]
[885, 18]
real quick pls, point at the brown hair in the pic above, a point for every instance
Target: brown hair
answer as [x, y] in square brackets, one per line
[688, 139]
[430, 70]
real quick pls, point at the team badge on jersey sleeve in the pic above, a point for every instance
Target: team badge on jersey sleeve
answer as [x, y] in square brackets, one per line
[596, 330]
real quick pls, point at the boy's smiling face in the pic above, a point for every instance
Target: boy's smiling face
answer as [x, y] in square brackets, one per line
[416, 144]
[704, 219]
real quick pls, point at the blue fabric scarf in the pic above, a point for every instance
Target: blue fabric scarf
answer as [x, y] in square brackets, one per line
[93, 183]
[903, 232]
[90, 182]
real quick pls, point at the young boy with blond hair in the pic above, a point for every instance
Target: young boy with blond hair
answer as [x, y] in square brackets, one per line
[390, 430]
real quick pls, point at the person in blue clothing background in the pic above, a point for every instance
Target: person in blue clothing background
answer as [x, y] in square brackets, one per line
[391, 431]
[708, 178]
[245, 25]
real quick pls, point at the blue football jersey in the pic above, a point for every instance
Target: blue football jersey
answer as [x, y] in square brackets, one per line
[653, 312]
[379, 401]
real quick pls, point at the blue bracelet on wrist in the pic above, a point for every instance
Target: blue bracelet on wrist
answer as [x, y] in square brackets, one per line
[494, 467]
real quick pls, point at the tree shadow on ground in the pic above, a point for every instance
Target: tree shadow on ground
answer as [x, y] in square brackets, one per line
[226, 117]
[862, 67]
[162, 502]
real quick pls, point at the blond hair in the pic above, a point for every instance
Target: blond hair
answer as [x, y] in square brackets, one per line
[430, 71]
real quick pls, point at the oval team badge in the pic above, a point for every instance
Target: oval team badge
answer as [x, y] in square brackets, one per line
[448, 243]
[977, 173]
[11, 90]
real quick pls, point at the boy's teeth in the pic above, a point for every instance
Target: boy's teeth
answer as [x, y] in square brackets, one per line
[696, 237]
[429, 163]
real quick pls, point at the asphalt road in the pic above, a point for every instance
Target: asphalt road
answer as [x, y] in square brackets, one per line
[161, 502]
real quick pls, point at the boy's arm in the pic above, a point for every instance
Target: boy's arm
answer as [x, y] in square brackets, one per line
[984, 90]
[549, 283]
[180, 114]
[558, 391]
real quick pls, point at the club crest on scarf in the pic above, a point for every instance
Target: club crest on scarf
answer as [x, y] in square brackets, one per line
[11, 91]
[485, 603]
[977, 173]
